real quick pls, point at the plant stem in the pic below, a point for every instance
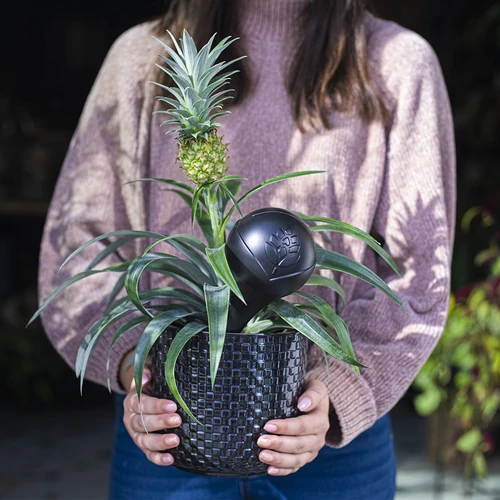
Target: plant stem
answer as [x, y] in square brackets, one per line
[212, 204]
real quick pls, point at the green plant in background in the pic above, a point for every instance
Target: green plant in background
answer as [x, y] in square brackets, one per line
[201, 301]
[462, 375]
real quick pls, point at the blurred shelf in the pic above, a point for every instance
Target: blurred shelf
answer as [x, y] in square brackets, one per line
[11, 207]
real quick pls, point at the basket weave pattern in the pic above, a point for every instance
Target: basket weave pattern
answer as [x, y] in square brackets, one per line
[260, 378]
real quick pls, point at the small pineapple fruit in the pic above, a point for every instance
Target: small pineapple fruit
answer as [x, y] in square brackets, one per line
[196, 101]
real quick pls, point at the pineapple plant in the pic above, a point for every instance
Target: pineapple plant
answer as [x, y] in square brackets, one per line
[200, 303]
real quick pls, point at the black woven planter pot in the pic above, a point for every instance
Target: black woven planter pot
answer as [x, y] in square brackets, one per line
[260, 378]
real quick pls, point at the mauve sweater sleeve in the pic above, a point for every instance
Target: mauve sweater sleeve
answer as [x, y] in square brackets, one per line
[416, 219]
[90, 199]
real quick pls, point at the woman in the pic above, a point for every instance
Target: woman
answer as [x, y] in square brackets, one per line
[325, 85]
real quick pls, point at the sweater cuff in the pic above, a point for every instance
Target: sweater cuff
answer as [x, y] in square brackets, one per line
[351, 400]
[97, 361]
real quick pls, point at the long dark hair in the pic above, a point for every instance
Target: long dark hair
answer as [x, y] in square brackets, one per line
[329, 72]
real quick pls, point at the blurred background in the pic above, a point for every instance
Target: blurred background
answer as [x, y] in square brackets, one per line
[55, 444]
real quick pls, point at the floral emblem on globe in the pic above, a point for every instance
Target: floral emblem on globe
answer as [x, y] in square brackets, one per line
[282, 248]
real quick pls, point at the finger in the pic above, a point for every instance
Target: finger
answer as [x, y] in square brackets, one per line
[274, 471]
[150, 405]
[313, 396]
[304, 425]
[160, 458]
[153, 423]
[290, 444]
[285, 460]
[155, 442]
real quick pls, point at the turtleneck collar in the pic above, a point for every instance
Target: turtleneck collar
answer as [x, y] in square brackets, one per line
[270, 19]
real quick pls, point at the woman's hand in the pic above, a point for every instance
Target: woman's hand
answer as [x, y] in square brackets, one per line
[298, 440]
[158, 414]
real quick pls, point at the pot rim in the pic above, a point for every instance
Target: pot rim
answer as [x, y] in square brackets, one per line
[260, 334]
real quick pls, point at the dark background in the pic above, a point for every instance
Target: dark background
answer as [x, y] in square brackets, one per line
[52, 53]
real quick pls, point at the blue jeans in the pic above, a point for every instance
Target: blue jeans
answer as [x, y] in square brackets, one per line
[365, 469]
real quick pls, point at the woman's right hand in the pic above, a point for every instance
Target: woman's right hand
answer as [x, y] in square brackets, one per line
[158, 414]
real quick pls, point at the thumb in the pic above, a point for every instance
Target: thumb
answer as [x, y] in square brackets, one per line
[146, 377]
[313, 395]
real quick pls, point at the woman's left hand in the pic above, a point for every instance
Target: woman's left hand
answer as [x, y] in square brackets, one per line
[296, 441]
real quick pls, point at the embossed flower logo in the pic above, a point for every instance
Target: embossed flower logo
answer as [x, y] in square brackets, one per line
[282, 249]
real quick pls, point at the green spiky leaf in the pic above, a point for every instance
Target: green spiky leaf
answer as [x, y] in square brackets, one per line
[217, 301]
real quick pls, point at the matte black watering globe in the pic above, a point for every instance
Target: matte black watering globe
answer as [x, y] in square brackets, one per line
[272, 254]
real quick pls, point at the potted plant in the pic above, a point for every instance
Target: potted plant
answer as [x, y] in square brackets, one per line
[227, 383]
[459, 385]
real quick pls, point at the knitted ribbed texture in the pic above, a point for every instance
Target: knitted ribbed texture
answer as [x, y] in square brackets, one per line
[396, 181]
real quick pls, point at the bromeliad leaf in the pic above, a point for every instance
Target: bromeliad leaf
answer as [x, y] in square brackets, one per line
[334, 321]
[344, 228]
[193, 249]
[179, 267]
[311, 329]
[89, 342]
[120, 283]
[123, 232]
[319, 280]
[338, 262]
[150, 335]
[233, 199]
[258, 326]
[217, 301]
[278, 178]
[122, 329]
[115, 268]
[172, 182]
[133, 276]
[174, 293]
[111, 248]
[194, 207]
[217, 257]
[179, 341]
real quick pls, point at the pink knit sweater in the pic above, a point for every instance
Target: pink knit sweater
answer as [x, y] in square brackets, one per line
[397, 182]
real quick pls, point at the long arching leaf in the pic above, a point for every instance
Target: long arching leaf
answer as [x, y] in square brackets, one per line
[150, 335]
[172, 182]
[132, 277]
[122, 232]
[109, 250]
[122, 329]
[115, 268]
[96, 330]
[311, 329]
[120, 283]
[333, 320]
[338, 262]
[182, 267]
[193, 249]
[278, 178]
[179, 341]
[344, 228]
[319, 280]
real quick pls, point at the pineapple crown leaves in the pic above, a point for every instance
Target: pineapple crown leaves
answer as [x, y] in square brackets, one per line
[197, 98]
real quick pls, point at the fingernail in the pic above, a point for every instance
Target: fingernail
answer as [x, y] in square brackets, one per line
[304, 404]
[145, 378]
[272, 470]
[270, 427]
[171, 440]
[264, 441]
[174, 420]
[170, 407]
[167, 459]
[266, 456]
